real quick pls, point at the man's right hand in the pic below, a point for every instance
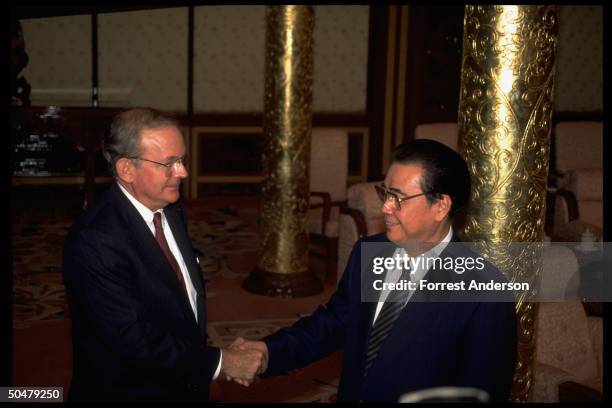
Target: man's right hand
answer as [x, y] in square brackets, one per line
[243, 345]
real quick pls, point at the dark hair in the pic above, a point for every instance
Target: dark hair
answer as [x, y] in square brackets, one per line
[124, 137]
[444, 170]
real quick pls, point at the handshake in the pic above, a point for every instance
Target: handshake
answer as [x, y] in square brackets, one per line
[243, 360]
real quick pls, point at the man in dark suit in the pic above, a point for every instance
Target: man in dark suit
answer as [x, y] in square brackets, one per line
[135, 292]
[393, 345]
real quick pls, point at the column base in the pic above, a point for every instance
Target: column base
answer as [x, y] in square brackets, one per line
[282, 285]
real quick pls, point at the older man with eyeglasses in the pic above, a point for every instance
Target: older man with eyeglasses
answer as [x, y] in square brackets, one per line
[408, 340]
[136, 295]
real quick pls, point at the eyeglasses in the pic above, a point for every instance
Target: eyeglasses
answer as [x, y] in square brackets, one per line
[384, 195]
[172, 165]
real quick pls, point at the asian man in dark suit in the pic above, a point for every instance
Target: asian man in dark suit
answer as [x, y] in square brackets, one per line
[136, 296]
[433, 338]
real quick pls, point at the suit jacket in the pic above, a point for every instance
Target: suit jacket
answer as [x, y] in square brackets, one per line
[135, 336]
[435, 343]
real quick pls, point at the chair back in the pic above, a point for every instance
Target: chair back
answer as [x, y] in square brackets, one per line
[579, 160]
[361, 197]
[329, 162]
[562, 333]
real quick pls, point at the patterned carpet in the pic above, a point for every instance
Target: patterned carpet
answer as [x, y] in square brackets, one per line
[225, 233]
[38, 292]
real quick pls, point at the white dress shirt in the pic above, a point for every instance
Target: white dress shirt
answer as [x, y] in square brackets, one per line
[417, 274]
[147, 216]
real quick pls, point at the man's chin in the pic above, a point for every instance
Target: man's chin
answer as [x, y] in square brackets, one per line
[393, 237]
[172, 195]
[399, 239]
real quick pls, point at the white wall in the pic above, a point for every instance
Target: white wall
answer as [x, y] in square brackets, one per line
[143, 59]
[144, 53]
[229, 58]
[59, 67]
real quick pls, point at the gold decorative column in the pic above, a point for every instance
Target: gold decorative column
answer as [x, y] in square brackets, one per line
[283, 233]
[505, 110]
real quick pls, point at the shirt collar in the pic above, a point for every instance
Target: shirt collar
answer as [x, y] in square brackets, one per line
[437, 250]
[433, 252]
[145, 212]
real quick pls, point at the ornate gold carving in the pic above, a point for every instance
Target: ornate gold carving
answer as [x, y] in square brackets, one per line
[505, 109]
[287, 128]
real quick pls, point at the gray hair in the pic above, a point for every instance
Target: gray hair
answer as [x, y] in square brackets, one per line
[124, 137]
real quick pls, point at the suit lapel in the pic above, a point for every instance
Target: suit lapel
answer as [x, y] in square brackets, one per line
[424, 306]
[152, 256]
[368, 309]
[419, 317]
[434, 275]
[175, 220]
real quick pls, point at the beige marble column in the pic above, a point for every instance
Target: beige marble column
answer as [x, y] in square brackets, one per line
[505, 110]
[283, 233]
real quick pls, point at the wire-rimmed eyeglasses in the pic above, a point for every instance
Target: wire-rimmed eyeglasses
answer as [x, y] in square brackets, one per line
[384, 195]
[171, 165]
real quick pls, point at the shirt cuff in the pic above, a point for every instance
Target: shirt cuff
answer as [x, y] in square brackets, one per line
[218, 370]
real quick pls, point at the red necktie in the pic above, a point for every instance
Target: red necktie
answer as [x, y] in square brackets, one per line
[161, 240]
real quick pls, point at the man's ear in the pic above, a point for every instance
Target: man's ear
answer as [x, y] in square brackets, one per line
[443, 205]
[125, 170]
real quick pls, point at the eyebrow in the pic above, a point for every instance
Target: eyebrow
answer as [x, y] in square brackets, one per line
[395, 190]
[174, 157]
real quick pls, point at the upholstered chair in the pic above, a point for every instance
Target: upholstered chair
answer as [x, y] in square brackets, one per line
[361, 217]
[578, 199]
[569, 344]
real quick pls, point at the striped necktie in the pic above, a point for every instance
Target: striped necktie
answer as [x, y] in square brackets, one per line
[389, 313]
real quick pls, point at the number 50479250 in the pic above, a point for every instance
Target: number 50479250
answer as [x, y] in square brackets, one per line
[31, 394]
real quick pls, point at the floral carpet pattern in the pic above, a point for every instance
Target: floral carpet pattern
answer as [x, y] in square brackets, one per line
[222, 236]
[38, 291]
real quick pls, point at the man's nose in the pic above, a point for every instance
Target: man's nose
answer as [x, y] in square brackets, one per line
[387, 206]
[181, 171]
